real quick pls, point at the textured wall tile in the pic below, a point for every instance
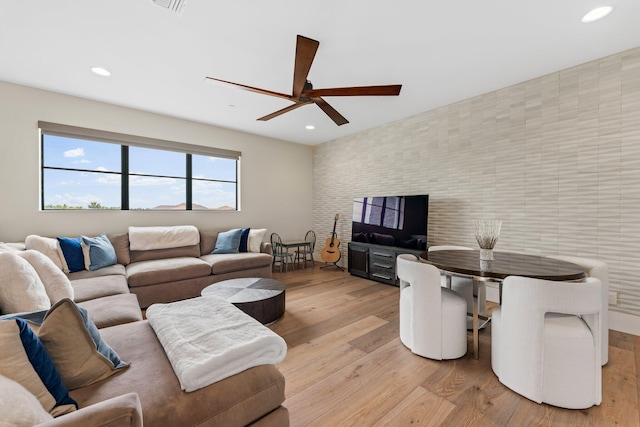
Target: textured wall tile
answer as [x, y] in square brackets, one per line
[556, 158]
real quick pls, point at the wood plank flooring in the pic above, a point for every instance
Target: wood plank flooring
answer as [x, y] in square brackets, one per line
[346, 366]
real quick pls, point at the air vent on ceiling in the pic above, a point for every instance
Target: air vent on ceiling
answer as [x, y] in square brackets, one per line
[176, 6]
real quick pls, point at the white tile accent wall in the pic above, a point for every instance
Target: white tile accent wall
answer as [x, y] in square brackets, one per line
[556, 158]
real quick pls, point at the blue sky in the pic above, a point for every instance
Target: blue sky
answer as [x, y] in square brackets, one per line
[79, 188]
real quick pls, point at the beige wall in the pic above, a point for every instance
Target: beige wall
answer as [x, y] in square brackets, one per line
[557, 159]
[276, 176]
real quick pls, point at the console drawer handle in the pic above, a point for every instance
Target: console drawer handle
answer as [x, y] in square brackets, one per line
[387, 266]
[384, 254]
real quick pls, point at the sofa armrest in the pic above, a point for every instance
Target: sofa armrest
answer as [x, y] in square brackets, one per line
[120, 411]
[265, 248]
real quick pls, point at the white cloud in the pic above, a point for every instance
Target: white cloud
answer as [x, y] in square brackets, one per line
[101, 169]
[150, 180]
[76, 152]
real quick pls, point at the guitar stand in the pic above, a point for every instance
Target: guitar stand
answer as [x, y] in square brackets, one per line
[333, 264]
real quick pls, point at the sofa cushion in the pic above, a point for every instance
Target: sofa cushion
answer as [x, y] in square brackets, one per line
[12, 247]
[120, 411]
[47, 246]
[72, 253]
[56, 284]
[20, 286]
[75, 346]
[158, 237]
[120, 244]
[227, 263]
[237, 400]
[107, 271]
[24, 359]
[98, 252]
[228, 242]
[207, 241]
[98, 287]
[256, 235]
[18, 406]
[113, 310]
[244, 240]
[160, 254]
[165, 270]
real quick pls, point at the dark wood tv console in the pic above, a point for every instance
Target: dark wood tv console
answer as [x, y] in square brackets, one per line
[376, 262]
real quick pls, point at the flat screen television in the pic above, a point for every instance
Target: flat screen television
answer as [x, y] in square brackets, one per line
[391, 221]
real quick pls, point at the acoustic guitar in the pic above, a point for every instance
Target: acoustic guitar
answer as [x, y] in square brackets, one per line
[331, 253]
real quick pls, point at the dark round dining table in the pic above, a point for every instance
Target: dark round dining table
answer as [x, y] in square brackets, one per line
[467, 263]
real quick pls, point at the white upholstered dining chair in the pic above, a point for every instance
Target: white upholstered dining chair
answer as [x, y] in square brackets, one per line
[545, 341]
[599, 270]
[433, 319]
[464, 286]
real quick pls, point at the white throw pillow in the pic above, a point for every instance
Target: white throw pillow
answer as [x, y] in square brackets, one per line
[4, 247]
[56, 284]
[46, 246]
[255, 239]
[18, 406]
[20, 286]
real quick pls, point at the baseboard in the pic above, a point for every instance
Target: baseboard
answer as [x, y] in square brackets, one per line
[622, 322]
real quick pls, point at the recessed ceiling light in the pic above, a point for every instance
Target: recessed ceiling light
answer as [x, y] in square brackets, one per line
[310, 127]
[101, 71]
[597, 13]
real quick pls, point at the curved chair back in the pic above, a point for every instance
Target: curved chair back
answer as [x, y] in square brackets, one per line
[311, 238]
[525, 302]
[599, 270]
[464, 285]
[422, 327]
[276, 244]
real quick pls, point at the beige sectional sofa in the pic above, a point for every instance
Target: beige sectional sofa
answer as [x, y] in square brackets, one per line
[172, 274]
[148, 390]
[252, 397]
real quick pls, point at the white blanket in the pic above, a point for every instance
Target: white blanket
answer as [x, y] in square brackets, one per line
[149, 238]
[207, 339]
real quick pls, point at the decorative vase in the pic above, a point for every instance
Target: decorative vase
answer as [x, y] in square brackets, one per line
[485, 265]
[486, 254]
[487, 233]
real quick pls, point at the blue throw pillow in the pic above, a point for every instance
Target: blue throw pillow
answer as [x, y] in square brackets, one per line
[244, 240]
[228, 242]
[33, 368]
[102, 347]
[72, 251]
[98, 252]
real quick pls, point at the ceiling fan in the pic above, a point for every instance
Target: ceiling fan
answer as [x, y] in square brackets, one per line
[303, 91]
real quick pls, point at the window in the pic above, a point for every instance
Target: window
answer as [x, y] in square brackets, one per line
[90, 169]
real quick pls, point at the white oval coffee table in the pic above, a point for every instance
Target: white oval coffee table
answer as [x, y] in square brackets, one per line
[262, 299]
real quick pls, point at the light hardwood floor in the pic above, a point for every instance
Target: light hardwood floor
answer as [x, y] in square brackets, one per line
[346, 367]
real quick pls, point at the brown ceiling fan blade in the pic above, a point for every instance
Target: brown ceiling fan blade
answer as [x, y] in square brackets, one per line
[389, 90]
[284, 110]
[330, 111]
[253, 89]
[306, 49]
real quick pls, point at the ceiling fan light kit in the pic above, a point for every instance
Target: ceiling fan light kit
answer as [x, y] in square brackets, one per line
[303, 92]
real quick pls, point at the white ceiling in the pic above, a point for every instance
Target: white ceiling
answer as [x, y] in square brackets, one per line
[441, 52]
